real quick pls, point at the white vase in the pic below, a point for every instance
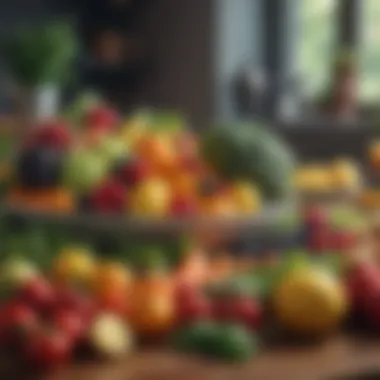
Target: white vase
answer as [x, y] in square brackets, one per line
[37, 104]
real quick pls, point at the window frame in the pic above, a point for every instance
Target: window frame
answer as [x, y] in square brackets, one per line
[279, 44]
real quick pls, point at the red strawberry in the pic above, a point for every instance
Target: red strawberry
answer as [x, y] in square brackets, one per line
[55, 134]
[109, 197]
[134, 172]
[101, 119]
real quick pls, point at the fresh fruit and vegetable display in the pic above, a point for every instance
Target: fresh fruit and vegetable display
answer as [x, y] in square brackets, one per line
[64, 294]
[147, 165]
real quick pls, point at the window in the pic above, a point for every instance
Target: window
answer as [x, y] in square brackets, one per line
[369, 52]
[317, 38]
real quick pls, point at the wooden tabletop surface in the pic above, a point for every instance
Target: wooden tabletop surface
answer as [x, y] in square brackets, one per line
[327, 361]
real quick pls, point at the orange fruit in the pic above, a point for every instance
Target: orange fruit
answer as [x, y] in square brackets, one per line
[112, 277]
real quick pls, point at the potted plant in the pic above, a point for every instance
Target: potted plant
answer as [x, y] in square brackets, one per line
[39, 59]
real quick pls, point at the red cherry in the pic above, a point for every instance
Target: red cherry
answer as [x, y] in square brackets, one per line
[109, 197]
[47, 350]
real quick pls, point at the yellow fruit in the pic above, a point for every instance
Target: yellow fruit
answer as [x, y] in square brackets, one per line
[374, 154]
[111, 277]
[247, 198]
[345, 174]
[151, 198]
[74, 264]
[312, 178]
[310, 302]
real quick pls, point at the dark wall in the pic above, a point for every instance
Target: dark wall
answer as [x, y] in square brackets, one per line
[179, 36]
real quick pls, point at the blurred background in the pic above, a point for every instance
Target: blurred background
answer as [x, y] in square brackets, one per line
[287, 60]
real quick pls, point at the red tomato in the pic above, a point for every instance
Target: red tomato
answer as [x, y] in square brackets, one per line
[39, 294]
[193, 309]
[47, 350]
[114, 302]
[70, 323]
[222, 310]
[247, 311]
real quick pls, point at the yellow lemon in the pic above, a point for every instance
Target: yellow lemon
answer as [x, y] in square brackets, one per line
[74, 264]
[310, 302]
[247, 198]
[151, 198]
[345, 174]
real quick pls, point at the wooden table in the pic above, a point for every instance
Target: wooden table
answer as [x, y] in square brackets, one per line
[339, 356]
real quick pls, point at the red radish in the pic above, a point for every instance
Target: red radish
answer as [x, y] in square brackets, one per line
[109, 197]
[47, 350]
[70, 322]
[39, 294]
[248, 312]
[134, 172]
[101, 119]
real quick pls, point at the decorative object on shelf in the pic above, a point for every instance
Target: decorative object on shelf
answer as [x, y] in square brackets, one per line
[39, 59]
[342, 96]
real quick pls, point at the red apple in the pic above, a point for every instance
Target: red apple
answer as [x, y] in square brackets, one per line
[78, 302]
[16, 320]
[110, 197]
[101, 118]
[70, 322]
[39, 294]
[48, 349]
[247, 311]
[53, 133]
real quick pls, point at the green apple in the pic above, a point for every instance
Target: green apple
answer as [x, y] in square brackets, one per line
[112, 149]
[16, 271]
[84, 170]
